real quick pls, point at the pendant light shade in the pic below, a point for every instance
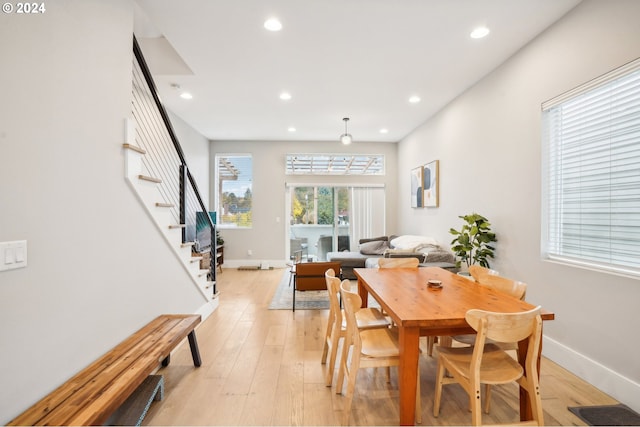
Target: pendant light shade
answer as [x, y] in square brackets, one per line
[346, 138]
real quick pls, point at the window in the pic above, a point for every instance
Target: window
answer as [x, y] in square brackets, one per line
[335, 164]
[234, 178]
[591, 203]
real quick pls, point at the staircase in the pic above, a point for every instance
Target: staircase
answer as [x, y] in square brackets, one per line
[157, 171]
[147, 189]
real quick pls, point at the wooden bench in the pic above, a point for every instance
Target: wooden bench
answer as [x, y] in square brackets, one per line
[92, 395]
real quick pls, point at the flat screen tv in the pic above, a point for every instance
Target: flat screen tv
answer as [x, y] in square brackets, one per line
[201, 234]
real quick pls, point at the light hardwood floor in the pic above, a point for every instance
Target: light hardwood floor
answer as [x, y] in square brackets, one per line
[262, 367]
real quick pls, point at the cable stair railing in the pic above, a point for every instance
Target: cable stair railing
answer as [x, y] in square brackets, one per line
[163, 166]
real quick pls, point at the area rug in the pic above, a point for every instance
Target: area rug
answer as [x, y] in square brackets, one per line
[307, 300]
[607, 415]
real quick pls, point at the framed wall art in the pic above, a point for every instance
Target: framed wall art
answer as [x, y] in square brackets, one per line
[416, 187]
[430, 181]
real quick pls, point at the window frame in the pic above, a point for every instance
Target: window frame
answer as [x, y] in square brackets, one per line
[332, 164]
[219, 192]
[557, 197]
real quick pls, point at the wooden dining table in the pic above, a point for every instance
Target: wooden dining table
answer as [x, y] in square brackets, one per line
[418, 310]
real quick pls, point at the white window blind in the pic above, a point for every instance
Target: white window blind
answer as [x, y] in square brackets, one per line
[591, 137]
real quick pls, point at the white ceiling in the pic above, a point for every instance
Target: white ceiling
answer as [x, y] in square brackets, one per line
[360, 59]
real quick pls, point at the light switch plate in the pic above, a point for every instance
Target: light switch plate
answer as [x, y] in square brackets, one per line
[13, 255]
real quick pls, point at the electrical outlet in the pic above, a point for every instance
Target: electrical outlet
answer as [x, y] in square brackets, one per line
[249, 252]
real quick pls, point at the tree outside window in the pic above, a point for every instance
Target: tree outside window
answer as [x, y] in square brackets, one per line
[314, 205]
[234, 190]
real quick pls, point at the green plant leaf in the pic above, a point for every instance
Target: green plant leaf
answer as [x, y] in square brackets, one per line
[472, 242]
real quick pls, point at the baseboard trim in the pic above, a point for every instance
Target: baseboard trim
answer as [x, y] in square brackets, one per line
[617, 386]
[208, 308]
[235, 263]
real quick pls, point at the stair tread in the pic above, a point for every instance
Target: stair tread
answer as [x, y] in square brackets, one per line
[150, 179]
[134, 148]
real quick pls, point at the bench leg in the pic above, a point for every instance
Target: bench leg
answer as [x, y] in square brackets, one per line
[195, 353]
[166, 361]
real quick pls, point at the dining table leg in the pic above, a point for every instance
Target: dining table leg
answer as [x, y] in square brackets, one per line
[364, 294]
[526, 411]
[409, 340]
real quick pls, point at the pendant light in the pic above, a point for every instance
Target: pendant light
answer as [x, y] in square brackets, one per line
[346, 138]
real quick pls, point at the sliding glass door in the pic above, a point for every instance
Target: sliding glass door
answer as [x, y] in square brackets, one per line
[319, 220]
[330, 218]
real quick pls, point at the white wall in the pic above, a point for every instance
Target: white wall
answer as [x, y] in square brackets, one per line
[97, 267]
[196, 152]
[268, 237]
[488, 142]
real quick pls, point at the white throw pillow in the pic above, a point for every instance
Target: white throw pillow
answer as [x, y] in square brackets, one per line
[412, 242]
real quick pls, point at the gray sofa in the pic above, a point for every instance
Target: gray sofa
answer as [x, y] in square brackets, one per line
[430, 255]
[325, 243]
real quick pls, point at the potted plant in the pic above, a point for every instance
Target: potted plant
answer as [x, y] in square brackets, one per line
[473, 242]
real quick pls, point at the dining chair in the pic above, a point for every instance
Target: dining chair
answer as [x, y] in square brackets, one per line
[398, 262]
[491, 279]
[367, 349]
[489, 364]
[515, 288]
[366, 318]
[479, 272]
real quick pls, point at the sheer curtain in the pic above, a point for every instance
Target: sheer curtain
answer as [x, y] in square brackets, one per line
[367, 214]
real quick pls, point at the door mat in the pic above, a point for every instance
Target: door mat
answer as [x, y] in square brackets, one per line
[607, 415]
[254, 267]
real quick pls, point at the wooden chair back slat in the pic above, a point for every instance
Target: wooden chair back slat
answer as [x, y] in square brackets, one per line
[398, 262]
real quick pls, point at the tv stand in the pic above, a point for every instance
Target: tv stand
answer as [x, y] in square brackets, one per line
[219, 257]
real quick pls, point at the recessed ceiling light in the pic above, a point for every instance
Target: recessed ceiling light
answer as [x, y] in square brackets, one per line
[273, 24]
[285, 96]
[291, 129]
[479, 33]
[186, 95]
[414, 99]
[384, 130]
